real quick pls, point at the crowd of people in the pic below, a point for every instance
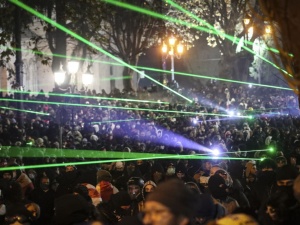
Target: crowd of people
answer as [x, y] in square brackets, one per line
[231, 156]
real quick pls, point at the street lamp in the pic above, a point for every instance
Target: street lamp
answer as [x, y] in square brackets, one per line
[87, 77]
[60, 76]
[173, 48]
[73, 67]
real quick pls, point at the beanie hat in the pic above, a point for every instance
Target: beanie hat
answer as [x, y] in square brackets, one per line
[237, 219]
[105, 189]
[104, 175]
[287, 172]
[70, 208]
[176, 196]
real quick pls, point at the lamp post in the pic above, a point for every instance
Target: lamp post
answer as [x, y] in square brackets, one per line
[60, 76]
[73, 67]
[172, 49]
[87, 77]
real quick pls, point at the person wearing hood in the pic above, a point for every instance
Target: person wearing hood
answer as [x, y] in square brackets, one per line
[220, 192]
[236, 190]
[67, 180]
[148, 187]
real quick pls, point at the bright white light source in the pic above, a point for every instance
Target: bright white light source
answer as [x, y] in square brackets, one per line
[195, 121]
[230, 113]
[215, 152]
[73, 66]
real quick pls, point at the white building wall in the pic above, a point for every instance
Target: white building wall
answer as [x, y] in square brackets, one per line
[37, 76]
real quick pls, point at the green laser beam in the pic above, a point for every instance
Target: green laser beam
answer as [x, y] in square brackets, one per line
[61, 56]
[160, 70]
[118, 107]
[88, 96]
[233, 81]
[111, 160]
[205, 77]
[78, 37]
[164, 17]
[220, 33]
[72, 153]
[235, 40]
[24, 110]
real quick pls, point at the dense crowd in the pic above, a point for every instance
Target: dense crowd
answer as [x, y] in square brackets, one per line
[231, 156]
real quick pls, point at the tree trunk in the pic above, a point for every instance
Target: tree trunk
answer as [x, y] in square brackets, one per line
[227, 67]
[128, 83]
[128, 86]
[236, 67]
[60, 37]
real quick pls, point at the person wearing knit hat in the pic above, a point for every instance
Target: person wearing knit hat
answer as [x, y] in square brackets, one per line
[171, 203]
